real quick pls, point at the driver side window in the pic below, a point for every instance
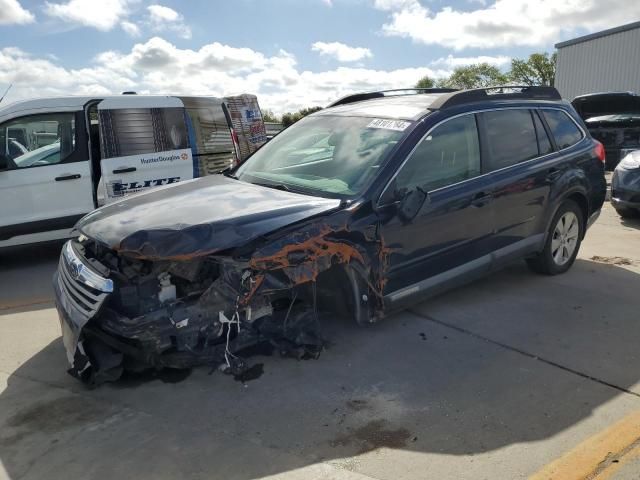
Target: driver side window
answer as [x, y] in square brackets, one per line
[37, 140]
[448, 155]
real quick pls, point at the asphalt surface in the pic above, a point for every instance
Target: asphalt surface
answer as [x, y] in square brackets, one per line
[514, 376]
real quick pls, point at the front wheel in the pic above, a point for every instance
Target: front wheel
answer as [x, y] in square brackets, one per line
[563, 241]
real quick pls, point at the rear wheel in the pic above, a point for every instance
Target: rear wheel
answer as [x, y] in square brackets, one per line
[563, 241]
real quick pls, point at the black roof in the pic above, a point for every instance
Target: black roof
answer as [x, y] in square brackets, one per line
[414, 105]
[405, 107]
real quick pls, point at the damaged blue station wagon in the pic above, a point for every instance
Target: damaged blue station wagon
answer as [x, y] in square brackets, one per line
[367, 206]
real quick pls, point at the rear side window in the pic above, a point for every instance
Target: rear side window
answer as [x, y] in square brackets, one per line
[564, 130]
[511, 138]
[544, 144]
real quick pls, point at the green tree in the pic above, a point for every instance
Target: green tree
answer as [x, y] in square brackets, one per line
[291, 118]
[425, 82]
[269, 116]
[539, 69]
[475, 76]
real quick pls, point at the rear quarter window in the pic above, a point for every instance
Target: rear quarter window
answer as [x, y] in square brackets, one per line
[564, 130]
[511, 137]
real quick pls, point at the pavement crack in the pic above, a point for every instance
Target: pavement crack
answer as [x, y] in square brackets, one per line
[525, 353]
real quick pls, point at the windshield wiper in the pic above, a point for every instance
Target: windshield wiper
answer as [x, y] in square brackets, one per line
[277, 186]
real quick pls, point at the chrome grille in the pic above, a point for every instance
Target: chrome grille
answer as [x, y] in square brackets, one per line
[84, 289]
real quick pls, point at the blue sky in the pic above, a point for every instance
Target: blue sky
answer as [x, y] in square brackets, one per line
[292, 53]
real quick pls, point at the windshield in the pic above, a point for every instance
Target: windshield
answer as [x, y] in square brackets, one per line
[331, 156]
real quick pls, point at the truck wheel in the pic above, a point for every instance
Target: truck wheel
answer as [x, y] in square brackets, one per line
[563, 241]
[627, 212]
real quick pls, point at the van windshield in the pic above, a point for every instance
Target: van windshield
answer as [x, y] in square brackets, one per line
[330, 156]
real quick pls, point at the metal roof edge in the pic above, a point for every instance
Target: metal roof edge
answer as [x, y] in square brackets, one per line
[603, 33]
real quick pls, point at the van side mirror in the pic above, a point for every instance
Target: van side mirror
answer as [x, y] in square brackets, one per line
[411, 204]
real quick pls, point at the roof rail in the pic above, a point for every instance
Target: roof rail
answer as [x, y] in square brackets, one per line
[504, 92]
[359, 97]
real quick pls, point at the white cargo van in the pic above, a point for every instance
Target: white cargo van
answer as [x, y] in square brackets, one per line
[62, 157]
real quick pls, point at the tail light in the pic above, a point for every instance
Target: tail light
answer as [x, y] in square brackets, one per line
[599, 151]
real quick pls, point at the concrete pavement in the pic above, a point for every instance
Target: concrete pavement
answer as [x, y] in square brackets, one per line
[516, 375]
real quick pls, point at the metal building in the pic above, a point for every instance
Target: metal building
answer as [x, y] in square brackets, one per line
[601, 62]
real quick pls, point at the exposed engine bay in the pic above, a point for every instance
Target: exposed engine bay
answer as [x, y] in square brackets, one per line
[210, 309]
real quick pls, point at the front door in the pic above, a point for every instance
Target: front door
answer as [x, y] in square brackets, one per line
[45, 176]
[451, 234]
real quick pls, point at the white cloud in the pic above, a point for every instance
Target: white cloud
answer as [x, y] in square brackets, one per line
[328, 3]
[157, 66]
[503, 23]
[130, 28]
[160, 13]
[101, 14]
[341, 52]
[11, 12]
[162, 18]
[452, 62]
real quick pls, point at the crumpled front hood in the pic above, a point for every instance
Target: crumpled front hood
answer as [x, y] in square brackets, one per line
[197, 217]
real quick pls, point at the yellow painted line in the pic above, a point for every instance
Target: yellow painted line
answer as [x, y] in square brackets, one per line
[592, 458]
[614, 467]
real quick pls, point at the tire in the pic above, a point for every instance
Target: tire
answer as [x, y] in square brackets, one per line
[627, 212]
[563, 241]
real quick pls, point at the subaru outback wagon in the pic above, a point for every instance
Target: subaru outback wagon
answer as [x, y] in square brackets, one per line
[376, 202]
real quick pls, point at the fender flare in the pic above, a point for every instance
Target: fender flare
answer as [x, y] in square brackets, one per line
[558, 203]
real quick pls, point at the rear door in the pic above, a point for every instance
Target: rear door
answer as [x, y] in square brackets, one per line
[209, 134]
[521, 167]
[46, 183]
[144, 144]
[450, 236]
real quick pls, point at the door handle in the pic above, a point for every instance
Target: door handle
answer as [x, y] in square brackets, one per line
[71, 176]
[553, 174]
[481, 199]
[125, 170]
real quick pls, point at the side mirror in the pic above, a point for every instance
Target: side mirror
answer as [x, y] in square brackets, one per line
[411, 204]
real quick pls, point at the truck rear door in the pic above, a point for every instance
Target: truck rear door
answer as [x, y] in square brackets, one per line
[144, 144]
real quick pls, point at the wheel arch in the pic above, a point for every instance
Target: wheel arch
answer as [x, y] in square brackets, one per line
[578, 196]
[346, 289]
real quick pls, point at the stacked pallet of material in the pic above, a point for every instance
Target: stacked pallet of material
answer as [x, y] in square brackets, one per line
[246, 119]
[211, 163]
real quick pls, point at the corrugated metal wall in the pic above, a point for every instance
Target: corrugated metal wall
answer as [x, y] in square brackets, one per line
[610, 63]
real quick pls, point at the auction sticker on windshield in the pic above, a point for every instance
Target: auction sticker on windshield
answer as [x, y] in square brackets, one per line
[398, 125]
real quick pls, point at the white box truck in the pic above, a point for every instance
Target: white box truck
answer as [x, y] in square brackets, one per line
[62, 157]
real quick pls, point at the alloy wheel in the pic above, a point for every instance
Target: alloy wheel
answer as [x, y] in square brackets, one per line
[565, 238]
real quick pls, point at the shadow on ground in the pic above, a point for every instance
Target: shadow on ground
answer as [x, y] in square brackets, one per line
[631, 222]
[26, 274]
[408, 383]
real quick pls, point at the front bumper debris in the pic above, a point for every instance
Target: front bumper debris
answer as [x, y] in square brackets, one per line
[209, 329]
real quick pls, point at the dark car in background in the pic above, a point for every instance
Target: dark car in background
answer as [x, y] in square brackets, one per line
[613, 118]
[360, 209]
[625, 186]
